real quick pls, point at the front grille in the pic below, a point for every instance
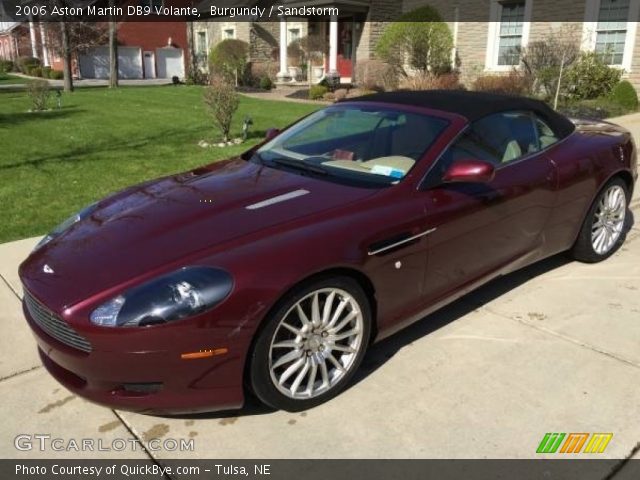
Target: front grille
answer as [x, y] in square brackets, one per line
[54, 325]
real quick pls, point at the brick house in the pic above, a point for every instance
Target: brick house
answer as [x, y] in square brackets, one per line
[350, 35]
[487, 33]
[145, 50]
[28, 39]
[490, 46]
[148, 49]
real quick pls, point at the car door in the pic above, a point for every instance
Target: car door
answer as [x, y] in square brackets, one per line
[481, 228]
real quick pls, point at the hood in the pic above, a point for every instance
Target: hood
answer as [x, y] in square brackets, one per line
[155, 224]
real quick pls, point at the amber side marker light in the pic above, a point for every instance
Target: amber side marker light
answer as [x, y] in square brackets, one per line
[203, 354]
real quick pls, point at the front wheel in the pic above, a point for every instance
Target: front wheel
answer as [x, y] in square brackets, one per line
[602, 232]
[311, 345]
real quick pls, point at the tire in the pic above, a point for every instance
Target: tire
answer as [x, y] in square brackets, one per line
[603, 230]
[309, 342]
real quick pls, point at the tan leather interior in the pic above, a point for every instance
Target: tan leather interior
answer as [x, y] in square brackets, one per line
[511, 152]
[398, 162]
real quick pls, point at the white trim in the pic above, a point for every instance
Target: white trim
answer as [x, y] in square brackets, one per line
[152, 73]
[333, 45]
[283, 74]
[454, 50]
[32, 36]
[293, 26]
[589, 32]
[401, 242]
[206, 41]
[277, 199]
[493, 37]
[44, 44]
[226, 26]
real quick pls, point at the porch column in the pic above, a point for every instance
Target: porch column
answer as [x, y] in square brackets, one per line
[16, 47]
[283, 74]
[32, 35]
[45, 49]
[333, 47]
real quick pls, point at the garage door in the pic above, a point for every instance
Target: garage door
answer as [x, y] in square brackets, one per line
[170, 62]
[95, 62]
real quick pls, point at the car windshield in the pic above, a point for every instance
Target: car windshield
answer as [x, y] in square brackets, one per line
[356, 143]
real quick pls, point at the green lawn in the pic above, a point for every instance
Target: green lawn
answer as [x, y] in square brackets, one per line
[52, 163]
[8, 79]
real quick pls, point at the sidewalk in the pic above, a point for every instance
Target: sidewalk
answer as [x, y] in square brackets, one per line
[88, 82]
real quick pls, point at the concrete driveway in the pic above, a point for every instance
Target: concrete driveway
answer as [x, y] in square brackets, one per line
[552, 348]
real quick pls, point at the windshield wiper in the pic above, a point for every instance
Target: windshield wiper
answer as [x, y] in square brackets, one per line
[257, 158]
[300, 165]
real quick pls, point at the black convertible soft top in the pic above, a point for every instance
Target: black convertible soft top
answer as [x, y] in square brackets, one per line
[472, 105]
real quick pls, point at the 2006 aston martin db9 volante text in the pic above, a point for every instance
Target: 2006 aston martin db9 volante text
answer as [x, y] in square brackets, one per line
[273, 272]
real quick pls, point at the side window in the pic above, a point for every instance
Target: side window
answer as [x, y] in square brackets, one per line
[508, 135]
[499, 139]
[546, 136]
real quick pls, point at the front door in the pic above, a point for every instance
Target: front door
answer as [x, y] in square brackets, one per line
[483, 227]
[149, 65]
[345, 47]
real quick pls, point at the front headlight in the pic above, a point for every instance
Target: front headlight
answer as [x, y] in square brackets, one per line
[180, 294]
[82, 214]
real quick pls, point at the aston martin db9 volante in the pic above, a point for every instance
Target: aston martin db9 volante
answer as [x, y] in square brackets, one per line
[272, 273]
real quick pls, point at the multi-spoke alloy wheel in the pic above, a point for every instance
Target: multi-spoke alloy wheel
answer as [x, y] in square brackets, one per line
[312, 345]
[316, 343]
[608, 220]
[603, 230]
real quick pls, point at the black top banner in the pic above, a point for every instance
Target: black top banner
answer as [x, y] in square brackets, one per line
[269, 10]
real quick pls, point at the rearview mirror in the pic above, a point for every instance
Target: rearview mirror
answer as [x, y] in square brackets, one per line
[271, 133]
[469, 171]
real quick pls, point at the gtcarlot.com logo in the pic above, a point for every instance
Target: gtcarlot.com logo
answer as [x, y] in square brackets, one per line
[45, 442]
[573, 443]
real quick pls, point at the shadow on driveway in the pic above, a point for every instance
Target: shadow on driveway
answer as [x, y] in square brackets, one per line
[383, 351]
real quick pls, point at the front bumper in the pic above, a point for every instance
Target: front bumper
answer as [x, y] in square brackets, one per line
[106, 374]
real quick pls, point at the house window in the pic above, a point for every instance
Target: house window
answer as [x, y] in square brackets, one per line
[608, 31]
[611, 30]
[201, 43]
[509, 27]
[228, 33]
[510, 32]
[294, 35]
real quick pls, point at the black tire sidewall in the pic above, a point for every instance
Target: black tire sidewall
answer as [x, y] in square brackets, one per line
[583, 249]
[259, 374]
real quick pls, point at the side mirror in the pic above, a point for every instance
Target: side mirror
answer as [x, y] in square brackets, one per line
[271, 133]
[469, 171]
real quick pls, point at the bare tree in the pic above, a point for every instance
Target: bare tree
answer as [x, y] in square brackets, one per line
[75, 36]
[221, 100]
[191, 57]
[65, 50]
[546, 60]
[113, 48]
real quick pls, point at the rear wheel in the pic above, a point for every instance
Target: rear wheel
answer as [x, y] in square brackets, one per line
[311, 345]
[603, 230]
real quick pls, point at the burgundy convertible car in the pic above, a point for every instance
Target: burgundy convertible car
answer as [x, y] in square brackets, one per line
[273, 272]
